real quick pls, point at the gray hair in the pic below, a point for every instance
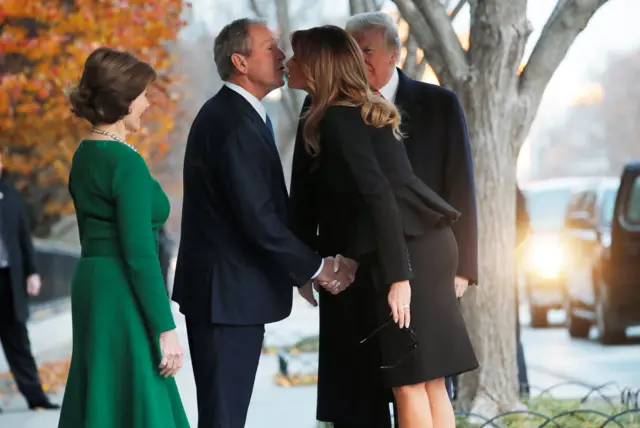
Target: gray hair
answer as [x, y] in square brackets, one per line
[232, 39]
[367, 21]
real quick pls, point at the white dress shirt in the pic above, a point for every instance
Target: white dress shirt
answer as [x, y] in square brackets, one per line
[262, 111]
[389, 90]
[251, 99]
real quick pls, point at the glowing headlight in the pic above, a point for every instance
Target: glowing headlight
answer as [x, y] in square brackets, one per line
[545, 256]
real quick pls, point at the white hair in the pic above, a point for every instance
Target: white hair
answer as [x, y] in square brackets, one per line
[367, 21]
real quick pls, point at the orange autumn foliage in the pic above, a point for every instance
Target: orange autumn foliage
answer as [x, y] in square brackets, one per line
[43, 47]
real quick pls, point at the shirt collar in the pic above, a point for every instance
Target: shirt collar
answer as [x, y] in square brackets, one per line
[251, 99]
[389, 90]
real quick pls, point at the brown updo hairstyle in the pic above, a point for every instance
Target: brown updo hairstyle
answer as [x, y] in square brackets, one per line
[110, 82]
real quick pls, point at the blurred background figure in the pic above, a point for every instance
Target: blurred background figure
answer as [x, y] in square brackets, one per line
[522, 232]
[165, 254]
[18, 280]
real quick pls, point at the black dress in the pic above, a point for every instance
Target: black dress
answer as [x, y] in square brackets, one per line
[371, 207]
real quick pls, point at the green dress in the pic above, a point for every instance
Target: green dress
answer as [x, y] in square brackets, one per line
[119, 302]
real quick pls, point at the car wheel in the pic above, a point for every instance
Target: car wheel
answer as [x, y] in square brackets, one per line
[578, 327]
[608, 332]
[538, 316]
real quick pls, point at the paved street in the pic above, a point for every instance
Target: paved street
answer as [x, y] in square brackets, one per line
[551, 352]
[552, 356]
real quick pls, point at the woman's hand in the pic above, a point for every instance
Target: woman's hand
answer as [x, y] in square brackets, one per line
[172, 353]
[399, 302]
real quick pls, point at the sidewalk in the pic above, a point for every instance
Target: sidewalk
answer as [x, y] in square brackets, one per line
[271, 406]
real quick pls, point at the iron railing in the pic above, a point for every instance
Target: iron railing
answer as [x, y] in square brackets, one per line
[607, 405]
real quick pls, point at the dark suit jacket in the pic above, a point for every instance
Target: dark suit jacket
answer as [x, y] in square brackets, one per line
[238, 260]
[370, 198]
[165, 252]
[438, 146]
[17, 239]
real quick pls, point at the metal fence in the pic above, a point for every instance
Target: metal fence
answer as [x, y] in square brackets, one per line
[591, 406]
[596, 409]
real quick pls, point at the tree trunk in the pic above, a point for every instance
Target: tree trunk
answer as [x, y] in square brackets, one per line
[357, 6]
[488, 309]
[495, 120]
[500, 104]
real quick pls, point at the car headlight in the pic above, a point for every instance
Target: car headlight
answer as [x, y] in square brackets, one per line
[546, 256]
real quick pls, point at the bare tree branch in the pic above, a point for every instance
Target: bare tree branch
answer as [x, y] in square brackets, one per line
[455, 59]
[255, 7]
[425, 39]
[304, 9]
[284, 26]
[290, 102]
[456, 10]
[411, 59]
[356, 6]
[568, 20]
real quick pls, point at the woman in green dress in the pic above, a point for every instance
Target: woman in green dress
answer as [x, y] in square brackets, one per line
[125, 346]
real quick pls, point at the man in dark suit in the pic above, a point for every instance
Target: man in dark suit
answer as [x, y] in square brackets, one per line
[435, 135]
[18, 280]
[238, 261]
[165, 252]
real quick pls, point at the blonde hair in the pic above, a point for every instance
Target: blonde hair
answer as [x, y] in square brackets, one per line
[333, 66]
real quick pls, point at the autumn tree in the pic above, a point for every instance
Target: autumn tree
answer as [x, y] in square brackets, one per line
[500, 97]
[43, 46]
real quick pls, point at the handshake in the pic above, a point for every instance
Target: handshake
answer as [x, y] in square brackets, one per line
[336, 275]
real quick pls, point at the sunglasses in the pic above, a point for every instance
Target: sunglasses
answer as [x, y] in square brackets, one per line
[411, 333]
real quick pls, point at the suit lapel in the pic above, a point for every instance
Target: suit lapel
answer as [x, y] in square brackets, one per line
[251, 114]
[404, 94]
[405, 102]
[255, 121]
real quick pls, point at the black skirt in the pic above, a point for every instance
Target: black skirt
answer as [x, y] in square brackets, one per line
[352, 383]
[437, 343]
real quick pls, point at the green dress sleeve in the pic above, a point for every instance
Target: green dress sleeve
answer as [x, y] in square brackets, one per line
[133, 193]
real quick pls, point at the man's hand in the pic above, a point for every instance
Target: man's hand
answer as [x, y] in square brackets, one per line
[348, 266]
[461, 285]
[335, 277]
[33, 284]
[306, 291]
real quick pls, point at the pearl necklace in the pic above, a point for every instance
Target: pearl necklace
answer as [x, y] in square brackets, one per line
[115, 136]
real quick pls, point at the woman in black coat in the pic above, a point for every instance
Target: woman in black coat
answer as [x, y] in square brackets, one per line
[399, 324]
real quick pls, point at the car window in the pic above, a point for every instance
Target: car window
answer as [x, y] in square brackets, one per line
[633, 203]
[575, 203]
[547, 207]
[590, 203]
[608, 206]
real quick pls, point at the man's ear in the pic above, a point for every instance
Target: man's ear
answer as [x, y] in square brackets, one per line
[394, 57]
[240, 63]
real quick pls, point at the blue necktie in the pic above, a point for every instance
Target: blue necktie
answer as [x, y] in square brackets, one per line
[270, 127]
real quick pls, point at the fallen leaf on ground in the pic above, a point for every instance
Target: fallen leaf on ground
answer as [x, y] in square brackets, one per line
[53, 376]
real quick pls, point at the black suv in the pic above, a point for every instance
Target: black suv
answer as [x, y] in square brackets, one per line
[602, 235]
[542, 257]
